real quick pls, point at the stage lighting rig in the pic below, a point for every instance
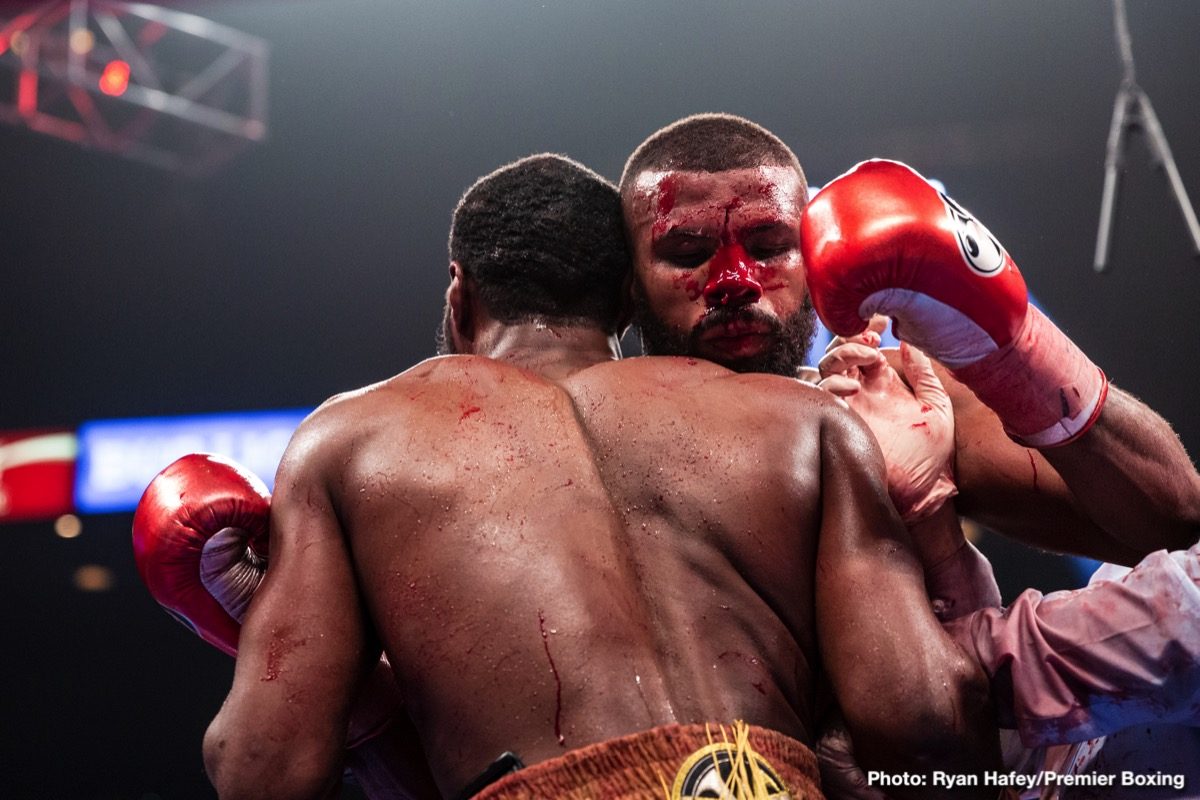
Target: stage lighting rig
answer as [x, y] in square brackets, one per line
[141, 81]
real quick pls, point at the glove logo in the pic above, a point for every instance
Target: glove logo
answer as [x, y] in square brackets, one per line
[979, 248]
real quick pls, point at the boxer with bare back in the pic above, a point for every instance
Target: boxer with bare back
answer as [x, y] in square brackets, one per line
[594, 565]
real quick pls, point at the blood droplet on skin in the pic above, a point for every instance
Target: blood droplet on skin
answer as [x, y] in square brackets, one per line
[920, 425]
[468, 411]
[1033, 464]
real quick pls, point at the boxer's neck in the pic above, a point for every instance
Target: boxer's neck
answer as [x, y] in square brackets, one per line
[552, 350]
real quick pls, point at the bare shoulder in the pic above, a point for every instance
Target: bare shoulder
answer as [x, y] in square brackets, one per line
[358, 409]
[798, 402]
[693, 373]
[778, 388]
[802, 416]
[813, 410]
[782, 403]
[327, 435]
[408, 400]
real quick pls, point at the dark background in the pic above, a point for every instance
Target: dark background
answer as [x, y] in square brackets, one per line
[315, 262]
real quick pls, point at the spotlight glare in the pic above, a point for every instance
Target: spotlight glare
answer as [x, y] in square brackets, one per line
[82, 41]
[68, 526]
[19, 43]
[114, 80]
[93, 578]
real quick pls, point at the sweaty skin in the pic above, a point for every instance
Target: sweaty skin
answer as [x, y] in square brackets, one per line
[550, 563]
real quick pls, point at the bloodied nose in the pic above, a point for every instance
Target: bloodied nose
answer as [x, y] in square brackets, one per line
[731, 280]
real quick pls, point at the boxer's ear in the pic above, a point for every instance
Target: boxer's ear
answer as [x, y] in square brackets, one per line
[461, 302]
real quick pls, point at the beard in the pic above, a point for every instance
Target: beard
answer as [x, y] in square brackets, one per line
[791, 337]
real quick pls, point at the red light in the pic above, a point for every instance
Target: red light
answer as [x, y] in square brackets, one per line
[27, 93]
[115, 78]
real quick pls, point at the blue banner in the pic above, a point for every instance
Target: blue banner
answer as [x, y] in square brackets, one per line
[118, 458]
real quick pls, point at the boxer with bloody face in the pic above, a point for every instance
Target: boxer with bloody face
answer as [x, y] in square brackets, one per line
[719, 269]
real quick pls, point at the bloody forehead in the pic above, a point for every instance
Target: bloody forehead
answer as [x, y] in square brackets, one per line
[761, 196]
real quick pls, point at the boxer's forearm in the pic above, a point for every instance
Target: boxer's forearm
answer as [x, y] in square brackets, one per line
[1123, 489]
[1015, 491]
[1133, 477]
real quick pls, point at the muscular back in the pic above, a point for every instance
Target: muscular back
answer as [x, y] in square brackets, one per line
[549, 565]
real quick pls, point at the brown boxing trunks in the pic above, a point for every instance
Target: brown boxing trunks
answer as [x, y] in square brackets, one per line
[672, 762]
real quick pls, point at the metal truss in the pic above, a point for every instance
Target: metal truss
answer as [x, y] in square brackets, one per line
[1133, 111]
[148, 83]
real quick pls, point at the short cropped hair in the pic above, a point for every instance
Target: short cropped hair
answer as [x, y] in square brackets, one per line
[709, 143]
[542, 239]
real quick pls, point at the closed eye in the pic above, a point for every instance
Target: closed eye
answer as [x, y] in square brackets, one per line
[768, 241]
[763, 252]
[685, 250]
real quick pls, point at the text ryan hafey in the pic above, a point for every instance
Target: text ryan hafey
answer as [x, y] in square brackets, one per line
[950, 780]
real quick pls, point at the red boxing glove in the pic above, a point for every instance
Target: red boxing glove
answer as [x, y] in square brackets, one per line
[882, 240]
[200, 542]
